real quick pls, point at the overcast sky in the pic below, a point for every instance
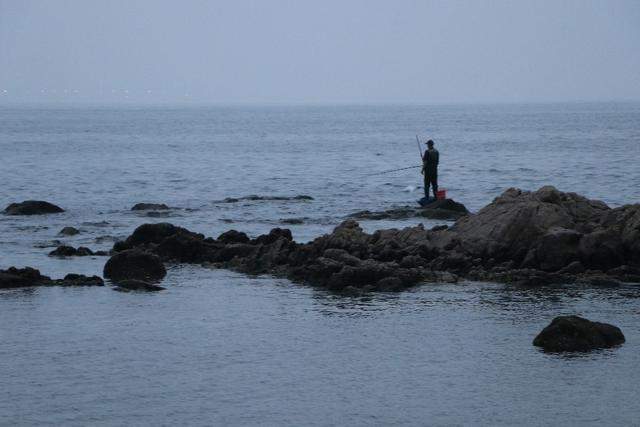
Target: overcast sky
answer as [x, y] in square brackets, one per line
[319, 51]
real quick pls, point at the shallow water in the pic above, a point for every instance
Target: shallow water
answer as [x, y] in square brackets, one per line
[222, 348]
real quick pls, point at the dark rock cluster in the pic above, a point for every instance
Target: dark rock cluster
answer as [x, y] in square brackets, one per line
[69, 251]
[28, 277]
[533, 238]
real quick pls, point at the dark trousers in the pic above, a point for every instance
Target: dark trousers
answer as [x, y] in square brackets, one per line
[431, 179]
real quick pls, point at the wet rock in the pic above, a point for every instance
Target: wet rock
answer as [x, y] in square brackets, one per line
[28, 277]
[69, 251]
[150, 207]
[22, 277]
[274, 235]
[137, 285]
[152, 234]
[233, 236]
[574, 333]
[69, 231]
[80, 280]
[32, 207]
[134, 264]
[445, 209]
[183, 247]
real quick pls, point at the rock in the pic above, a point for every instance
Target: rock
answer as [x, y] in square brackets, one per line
[32, 207]
[536, 238]
[67, 251]
[440, 227]
[573, 333]
[150, 207]
[602, 249]
[445, 209]
[517, 221]
[22, 277]
[274, 234]
[80, 280]
[152, 234]
[27, 277]
[575, 267]
[138, 285]
[233, 236]
[69, 231]
[556, 249]
[292, 221]
[134, 264]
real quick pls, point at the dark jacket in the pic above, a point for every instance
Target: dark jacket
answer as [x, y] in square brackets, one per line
[430, 161]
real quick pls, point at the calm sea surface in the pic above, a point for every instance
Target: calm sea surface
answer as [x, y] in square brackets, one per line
[221, 348]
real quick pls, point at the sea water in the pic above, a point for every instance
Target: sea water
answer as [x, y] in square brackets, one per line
[222, 348]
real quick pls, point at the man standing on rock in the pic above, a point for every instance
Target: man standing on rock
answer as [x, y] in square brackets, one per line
[430, 160]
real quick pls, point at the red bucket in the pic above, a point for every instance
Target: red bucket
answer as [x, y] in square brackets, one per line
[441, 194]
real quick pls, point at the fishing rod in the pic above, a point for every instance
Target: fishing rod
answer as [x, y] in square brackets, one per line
[394, 170]
[401, 169]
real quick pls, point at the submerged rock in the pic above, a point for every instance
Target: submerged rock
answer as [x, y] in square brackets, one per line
[69, 231]
[134, 264]
[574, 333]
[444, 209]
[254, 197]
[28, 277]
[150, 207]
[67, 251]
[32, 207]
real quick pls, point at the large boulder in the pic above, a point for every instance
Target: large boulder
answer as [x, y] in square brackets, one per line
[516, 222]
[574, 333]
[135, 264]
[32, 207]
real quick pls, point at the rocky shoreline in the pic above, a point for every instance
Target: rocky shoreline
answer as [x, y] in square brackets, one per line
[529, 238]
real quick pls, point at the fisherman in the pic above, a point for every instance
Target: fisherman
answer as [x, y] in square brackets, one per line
[430, 161]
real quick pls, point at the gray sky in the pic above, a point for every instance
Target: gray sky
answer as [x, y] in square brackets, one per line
[319, 51]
